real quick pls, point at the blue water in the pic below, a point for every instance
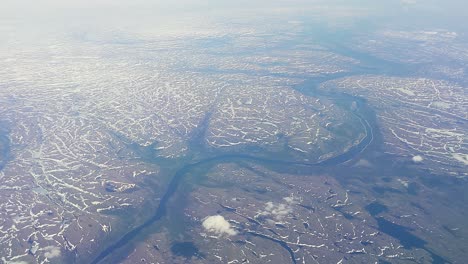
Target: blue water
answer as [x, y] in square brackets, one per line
[171, 190]
[369, 65]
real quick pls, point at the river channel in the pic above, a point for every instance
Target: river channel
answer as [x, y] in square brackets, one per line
[180, 174]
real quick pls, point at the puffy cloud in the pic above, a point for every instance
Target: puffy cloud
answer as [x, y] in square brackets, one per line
[417, 159]
[280, 210]
[52, 252]
[217, 224]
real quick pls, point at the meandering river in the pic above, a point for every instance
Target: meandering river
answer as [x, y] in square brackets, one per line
[180, 174]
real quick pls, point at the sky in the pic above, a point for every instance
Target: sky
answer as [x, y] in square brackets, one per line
[146, 15]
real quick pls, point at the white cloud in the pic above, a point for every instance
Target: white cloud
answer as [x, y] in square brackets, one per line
[217, 224]
[52, 252]
[278, 211]
[417, 159]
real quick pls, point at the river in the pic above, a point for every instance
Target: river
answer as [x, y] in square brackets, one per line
[179, 175]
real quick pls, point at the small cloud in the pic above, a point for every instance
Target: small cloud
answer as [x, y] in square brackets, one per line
[217, 224]
[417, 159]
[281, 210]
[17, 262]
[52, 252]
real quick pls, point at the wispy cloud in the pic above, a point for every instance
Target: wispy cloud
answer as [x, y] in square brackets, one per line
[280, 210]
